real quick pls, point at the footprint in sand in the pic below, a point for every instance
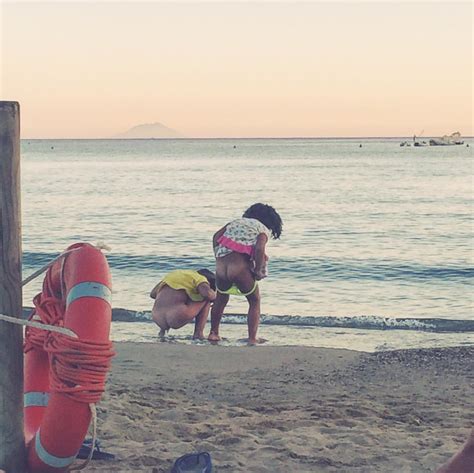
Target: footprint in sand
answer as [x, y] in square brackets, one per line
[229, 441]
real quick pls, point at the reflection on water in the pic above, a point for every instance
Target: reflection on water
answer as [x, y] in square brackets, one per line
[379, 230]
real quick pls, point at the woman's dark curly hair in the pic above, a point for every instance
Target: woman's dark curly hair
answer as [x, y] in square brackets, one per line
[268, 216]
[210, 276]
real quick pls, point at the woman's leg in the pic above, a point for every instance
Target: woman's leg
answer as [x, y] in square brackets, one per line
[182, 314]
[200, 322]
[253, 316]
[245, 281]
[234, 268]
[173, 308]
[219, 304]
[216, 314]
[158, 315]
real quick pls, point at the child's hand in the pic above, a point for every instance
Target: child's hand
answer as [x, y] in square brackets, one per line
[260, 273]
[206, 292]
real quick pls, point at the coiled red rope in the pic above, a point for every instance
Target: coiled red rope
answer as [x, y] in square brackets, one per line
[78, 368]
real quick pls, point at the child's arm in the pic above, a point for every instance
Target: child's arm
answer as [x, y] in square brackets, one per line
[217, 235]
[260, 257]
[205, 290]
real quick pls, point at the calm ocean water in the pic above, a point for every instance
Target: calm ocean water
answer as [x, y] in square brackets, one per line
[374, 230]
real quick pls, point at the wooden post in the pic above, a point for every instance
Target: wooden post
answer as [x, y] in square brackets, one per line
[12, 443]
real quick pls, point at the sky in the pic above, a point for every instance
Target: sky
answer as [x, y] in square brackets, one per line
[241, 69]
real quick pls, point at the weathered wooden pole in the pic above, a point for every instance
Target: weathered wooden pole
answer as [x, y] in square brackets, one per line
[12, 443]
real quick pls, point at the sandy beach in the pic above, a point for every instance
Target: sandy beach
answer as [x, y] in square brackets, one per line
[285, 409]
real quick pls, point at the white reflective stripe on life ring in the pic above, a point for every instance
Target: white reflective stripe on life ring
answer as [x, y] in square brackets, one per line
[89, 289]
[47, 458]
[35, 399]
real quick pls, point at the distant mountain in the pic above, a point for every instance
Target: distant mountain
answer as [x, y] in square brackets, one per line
[150, 130]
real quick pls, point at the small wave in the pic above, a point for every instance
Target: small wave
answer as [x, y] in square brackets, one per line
[370, 322]
[129, 262]
[362, 322]
[301, 268]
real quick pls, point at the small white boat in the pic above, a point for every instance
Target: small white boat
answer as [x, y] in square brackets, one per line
[420, 143]
[448, 140]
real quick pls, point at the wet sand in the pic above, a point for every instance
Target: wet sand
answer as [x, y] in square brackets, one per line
[286, 409]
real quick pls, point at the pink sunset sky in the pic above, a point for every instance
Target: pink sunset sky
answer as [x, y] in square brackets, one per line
[241, 69]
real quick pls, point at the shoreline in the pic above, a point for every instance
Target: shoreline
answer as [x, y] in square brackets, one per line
[278, 409]
[364, 322]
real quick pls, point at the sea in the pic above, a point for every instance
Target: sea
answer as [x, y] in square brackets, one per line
[376, 251]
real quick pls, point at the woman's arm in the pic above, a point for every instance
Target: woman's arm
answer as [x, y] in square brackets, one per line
[205, 290]
[260, 257]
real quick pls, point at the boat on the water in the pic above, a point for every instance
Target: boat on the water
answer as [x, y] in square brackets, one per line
[448, 140]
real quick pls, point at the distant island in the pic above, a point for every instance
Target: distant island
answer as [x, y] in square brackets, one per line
[149, 131]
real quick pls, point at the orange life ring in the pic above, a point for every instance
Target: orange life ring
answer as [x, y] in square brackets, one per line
[62, 375]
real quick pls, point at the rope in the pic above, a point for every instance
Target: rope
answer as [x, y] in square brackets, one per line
[45, 267]
[49, 310]
[39, 325]
[78, 368]
[53, 325]
[99, 245]
[82, 465]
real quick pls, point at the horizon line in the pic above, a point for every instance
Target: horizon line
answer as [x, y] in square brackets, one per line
[246, 138]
